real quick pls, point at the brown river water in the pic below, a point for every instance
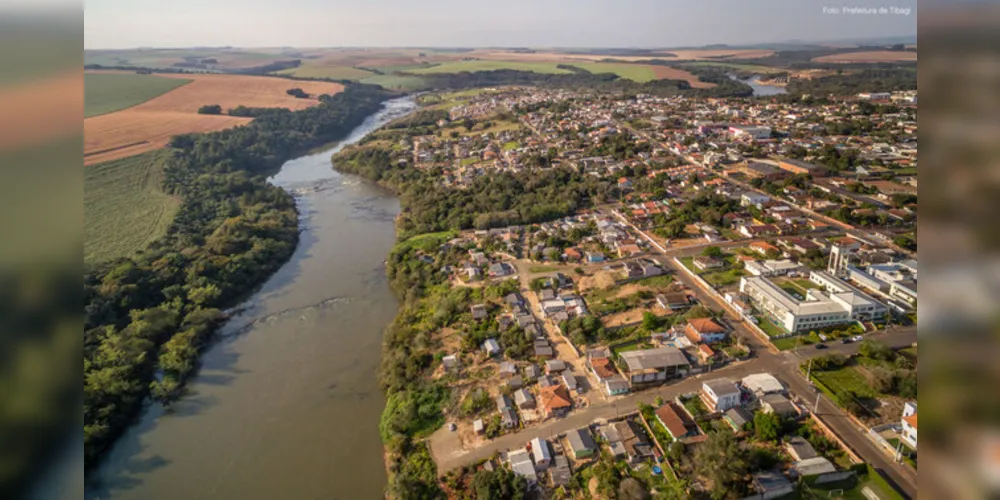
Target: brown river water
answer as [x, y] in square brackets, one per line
[286, 404]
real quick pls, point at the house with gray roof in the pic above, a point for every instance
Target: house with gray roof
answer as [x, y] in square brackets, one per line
[653, 366]
[524, 400]
[581, 443]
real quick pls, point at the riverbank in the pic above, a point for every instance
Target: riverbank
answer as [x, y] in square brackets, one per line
[148, 318]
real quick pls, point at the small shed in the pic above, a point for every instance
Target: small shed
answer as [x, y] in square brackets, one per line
[491, 347]
[478, 427]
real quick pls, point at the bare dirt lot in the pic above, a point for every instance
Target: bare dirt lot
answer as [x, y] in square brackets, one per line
[870, 56]
[150, 125]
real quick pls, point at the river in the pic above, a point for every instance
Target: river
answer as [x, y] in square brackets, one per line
[286, 404]
[760, 89]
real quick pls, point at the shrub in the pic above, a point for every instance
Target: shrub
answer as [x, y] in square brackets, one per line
[210, 109]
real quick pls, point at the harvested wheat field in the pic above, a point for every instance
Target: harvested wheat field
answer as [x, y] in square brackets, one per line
[715, 54]
[150, 125]
[872, 56]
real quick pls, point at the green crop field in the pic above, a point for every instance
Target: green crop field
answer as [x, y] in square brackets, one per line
[472, 66]
[636, 72]
[109, 92]
[337, 72]
[397, 82]
[124, 208]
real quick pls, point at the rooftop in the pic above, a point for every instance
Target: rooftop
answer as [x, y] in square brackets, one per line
[654, 358]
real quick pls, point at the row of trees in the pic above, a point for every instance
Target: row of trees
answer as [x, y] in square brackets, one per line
[156, 311]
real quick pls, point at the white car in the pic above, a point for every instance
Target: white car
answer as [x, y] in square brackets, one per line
[856, 338]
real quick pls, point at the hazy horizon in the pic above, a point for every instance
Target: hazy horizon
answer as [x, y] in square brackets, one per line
[129, 24]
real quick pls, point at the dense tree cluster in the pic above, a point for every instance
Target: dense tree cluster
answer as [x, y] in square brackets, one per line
[155, 311]
[497, 200]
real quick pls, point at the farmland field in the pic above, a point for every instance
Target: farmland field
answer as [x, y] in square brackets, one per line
[472, 66]
[396, 82]
[869, 56]
[321, 71]
[124, 209]
[636, 72]
[150, 125]
[109, 92]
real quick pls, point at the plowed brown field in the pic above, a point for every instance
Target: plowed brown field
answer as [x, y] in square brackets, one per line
[680, 74]
[150, 125]
[869, 56]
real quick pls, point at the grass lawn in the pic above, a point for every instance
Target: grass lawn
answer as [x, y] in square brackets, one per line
[323, 71]
[724, 278]
[472, 66]
[846, 379]
[636, 72]
[469, 161]
[771, 329]
[511, 145]
[689, 263]
[787, 343]
[729, 234]
[661, 281]
[124, 208]
[108, 92]
[909, 454]
[543, 269]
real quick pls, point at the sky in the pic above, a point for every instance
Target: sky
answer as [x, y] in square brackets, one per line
[484, 23]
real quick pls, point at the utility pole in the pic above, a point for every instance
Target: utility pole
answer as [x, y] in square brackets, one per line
[816, 406]
[809, 371]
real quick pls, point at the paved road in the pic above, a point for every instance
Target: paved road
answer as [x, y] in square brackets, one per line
[448, 452]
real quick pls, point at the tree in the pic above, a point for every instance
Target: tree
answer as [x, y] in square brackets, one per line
[650, 322]
[767, 426]
[712, 251]
[676, 451]
[210, 109]
[724, 462]
[499, 484]
[873, 349]
[632, 489]
[297, 93]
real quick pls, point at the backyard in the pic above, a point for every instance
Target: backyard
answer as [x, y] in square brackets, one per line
[729, 275]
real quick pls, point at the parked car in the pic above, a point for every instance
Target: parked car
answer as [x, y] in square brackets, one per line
[856, 338]
[821, 346]
[846, 340]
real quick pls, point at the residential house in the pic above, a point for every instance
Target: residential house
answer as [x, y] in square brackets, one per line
[500, 269]
[778, 404]
[594, 257]
[763, 248]
[479, 312]
[515, 382]
[672, 300]
[570, 381]
[637, 446]
[909, 424]
[653, 366]
[813, 467]
[524, 400]
[509, 418]
[554, 366]
[720, 394]
[615, 385]
[555, 401]
[800, 449]
[507, 369]
[738, 418]
[532, 372]
[559, 472]
[572, 254]
[451, 363]
[704, 330]
[521, 464]
[706, 355]
[761, 384]
[491, 347]
[541, 453]
[770, 485]
[610, 434]
[704, 263]
[543, 350]
[674, 420]
[753, 231]
[581, 443]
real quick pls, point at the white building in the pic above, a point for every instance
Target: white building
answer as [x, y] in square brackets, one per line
[839, 303]
[755, 133]
[541, 453]
[909, 423]
[771, 267]
[751, 198]
[720, 394]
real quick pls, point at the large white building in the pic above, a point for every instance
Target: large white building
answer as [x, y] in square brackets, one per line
[836, 303]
